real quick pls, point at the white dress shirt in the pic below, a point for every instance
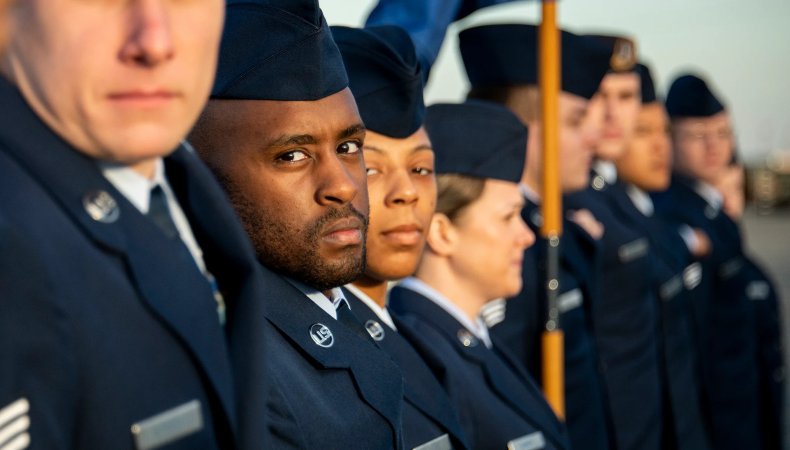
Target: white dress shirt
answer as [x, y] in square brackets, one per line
[327, 304]
[137, 189]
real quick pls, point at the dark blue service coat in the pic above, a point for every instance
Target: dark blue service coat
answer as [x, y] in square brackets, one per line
[330, 389]
[723, 322]
[764, 298]
[674, 283]
[625, 326]
[105, 321]
[525, 314]
[427, 411]
[497, 402]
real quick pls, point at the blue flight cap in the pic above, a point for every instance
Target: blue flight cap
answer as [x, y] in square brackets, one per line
[385, 78]
[622, 50]
[690, 96]
[277, 50]
[648, 88]
[478, 139]
[507, 54]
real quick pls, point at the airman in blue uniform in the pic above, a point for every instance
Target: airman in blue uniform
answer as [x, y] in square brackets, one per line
[625, 318]
[763, 296]
[474, 255]
[386, 80]
[501, 62]
[723, 316]
[120, 258]
[283, 135]
[644, 167]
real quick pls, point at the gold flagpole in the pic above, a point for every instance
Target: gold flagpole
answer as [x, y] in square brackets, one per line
[551, 230]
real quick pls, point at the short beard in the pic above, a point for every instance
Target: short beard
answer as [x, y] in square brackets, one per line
[296, 256]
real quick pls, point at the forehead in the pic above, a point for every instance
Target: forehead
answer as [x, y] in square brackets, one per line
[380, 145]
[500, 194]
[573, 104]
[324, 117]
[653, 112]
[620, 82]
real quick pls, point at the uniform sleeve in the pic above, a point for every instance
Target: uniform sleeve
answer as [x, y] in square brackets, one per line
[38, 385]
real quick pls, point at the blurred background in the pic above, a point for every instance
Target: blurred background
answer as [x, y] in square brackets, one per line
[741, 48]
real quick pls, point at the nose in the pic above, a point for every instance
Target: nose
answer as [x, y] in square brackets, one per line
[525, 237]
[402, 190]
[149, 40]
[337, 183]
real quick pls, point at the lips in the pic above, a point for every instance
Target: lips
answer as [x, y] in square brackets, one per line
[344, 232]
[144, 98]
[406, 235]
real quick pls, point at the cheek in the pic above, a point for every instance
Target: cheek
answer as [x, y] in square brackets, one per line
[376, 198]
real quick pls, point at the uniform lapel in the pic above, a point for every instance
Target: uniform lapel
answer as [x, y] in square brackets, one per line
[378, 379]
[421, 394]
[497, 375]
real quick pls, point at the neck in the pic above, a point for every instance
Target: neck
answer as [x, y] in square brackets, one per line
[464, 295]
[375, 289]
[145, 168]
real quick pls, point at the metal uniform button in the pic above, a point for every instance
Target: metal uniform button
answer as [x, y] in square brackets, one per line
[598, 183]
[101, 207]
[466, 338]
[375, 330]
[322, 335]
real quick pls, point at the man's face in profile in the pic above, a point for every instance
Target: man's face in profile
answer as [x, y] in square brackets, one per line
[294, 171]
[120, 80]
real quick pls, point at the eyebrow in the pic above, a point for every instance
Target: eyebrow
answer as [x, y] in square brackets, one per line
[289, 140]
[293, 139]
[416, 149]
[351, 131]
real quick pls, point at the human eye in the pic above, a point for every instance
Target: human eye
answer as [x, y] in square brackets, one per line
[350, 147]
[293, 156]
[372, 171]
[423, 171]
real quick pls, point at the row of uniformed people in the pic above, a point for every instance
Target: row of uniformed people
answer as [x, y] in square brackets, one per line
[135, 314]
[660, 363]
[312, 364]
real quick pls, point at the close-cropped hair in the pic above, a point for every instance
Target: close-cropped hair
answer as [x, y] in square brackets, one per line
[524, 99]
[456, 192]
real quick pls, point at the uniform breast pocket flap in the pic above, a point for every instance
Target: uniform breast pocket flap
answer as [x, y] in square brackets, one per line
[532, 441]
[440, 443]
[168, 426]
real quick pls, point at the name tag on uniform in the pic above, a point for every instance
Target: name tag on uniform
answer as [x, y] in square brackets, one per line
[671, 288]
[569, 300]
[532, 441]
[440, 443]
[730, 268]
[168, 426]
[758, 290]
[633, 250]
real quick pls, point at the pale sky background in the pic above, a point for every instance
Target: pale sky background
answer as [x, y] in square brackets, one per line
[742, 47]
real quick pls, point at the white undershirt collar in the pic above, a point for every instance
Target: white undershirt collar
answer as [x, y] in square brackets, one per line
[607, 170]
[478, 328]
[382, 313]
[328, 305]
[641, 200]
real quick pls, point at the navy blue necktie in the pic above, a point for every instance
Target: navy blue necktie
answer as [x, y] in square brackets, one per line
[159, 212]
